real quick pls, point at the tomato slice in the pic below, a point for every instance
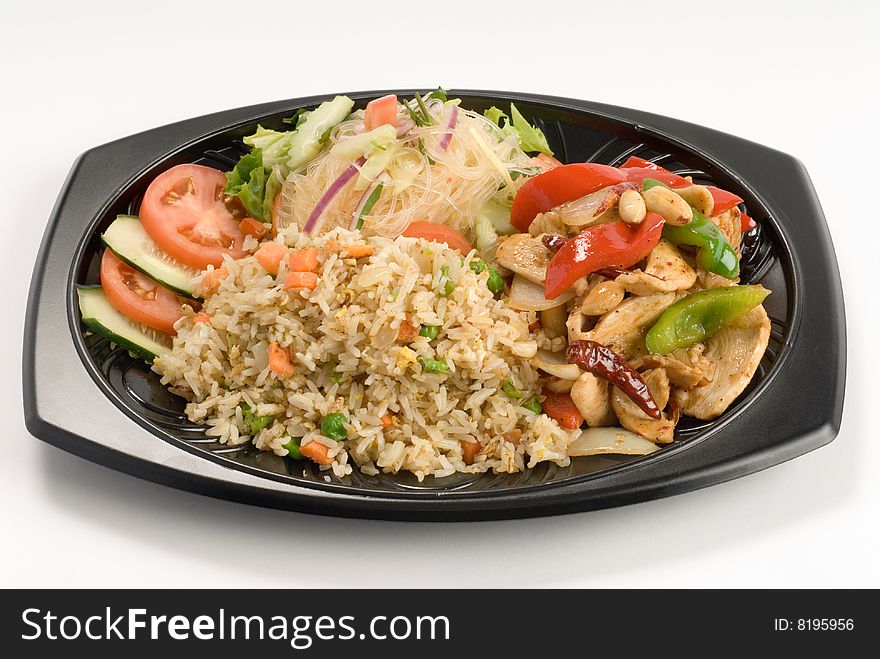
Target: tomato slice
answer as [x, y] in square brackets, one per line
[561, 184]
[439, 233]
[138, 297]
[183, 212]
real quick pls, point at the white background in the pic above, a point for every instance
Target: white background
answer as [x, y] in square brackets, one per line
[800, 77]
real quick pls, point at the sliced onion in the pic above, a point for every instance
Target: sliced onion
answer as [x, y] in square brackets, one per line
[450, 126]
[588, 209]
[317, 215]
[526, 295]
[598, 441]
[555, 363]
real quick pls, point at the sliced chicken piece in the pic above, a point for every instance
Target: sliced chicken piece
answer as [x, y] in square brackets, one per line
[730, 223]
[549, 222]
[706, 279]
[590, 395]
[634, 419]
[680, 374]
[579, 326]
[736, 352]
[623, 329]
[694, 357]
[525, 255]
[665, 271]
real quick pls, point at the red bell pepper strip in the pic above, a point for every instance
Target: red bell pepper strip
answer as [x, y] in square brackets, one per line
[747, 223]
[638, 169]
[639, 174]
[724, 200]
[635, 161]
[561, 184]
[611, 245]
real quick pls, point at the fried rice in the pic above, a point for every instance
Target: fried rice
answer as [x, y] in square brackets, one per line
[355, 352]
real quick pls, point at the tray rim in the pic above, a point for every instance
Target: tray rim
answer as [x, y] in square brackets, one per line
[510, 499]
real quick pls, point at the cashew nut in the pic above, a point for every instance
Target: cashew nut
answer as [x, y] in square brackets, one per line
[604, 297]
[668, 205]
[631, 207]
[699, 197]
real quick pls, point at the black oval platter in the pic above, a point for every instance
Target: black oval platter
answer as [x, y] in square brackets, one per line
[93, 399]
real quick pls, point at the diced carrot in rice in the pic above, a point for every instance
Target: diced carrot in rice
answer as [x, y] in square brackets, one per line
[407, 331]
[251, 227]
[269, 255]
[303, 260]
[316, 452]
[280, 362]
[211, 279]
[469, 451]
[387, 420]
[358, 251]
[307, 280]
[201, 318]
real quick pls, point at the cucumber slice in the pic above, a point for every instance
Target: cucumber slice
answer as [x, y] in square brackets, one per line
[127, 239]
[306, 143]
[101, 317]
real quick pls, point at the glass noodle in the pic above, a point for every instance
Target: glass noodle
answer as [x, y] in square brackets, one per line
[424, 181]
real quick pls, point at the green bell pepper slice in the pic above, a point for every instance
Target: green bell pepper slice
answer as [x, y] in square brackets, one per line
[714, 252]
[701, 315]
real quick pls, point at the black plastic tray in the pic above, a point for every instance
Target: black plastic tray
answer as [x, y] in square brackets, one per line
[86, 397]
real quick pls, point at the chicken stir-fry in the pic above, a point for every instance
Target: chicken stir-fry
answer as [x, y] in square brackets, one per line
[634, 273]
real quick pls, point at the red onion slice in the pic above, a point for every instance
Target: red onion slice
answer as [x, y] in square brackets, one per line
[404, 126]
[317, 214]
[450, 126]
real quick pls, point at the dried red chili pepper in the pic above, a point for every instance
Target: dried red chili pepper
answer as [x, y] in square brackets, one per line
[611, 273]
[553, 242]
[605, 363]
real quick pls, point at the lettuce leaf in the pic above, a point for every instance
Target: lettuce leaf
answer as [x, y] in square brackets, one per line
[247, 181]
[273, 187]
[495, 115]
[531, 138]
[274, 144]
